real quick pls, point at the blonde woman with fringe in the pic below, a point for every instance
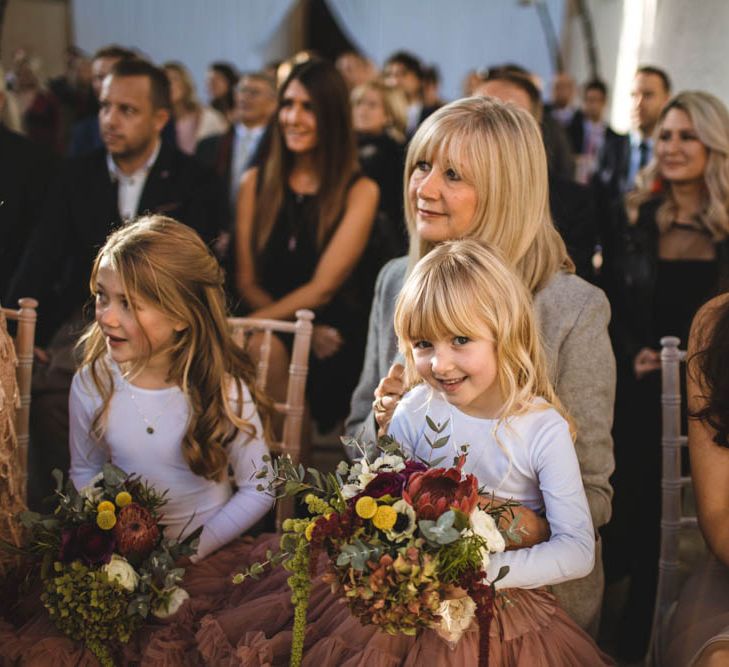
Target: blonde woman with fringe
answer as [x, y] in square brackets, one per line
[477, 169]
[475, 363]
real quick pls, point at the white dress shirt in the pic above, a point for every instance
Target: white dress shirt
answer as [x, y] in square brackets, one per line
[130, 186]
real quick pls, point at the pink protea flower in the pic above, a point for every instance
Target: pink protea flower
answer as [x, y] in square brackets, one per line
[437, 490]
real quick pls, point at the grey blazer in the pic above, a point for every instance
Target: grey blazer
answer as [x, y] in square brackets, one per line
[573, 319]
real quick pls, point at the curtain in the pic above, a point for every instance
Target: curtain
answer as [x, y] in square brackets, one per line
[195, 32]
[456, 35]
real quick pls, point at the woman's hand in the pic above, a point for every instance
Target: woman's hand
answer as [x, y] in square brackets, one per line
[387, 396]
[325, 341]
[646, 361]
[531, 527]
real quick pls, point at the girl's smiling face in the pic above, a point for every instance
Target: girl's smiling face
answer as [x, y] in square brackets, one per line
[464, 371]
[133, 330]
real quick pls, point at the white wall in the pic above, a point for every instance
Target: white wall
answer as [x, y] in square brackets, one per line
[247, 33]
[457, 35]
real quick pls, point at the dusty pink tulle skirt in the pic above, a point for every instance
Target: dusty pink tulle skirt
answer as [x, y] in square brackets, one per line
[249, 625]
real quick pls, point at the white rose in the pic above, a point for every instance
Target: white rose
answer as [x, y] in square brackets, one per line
[118, 569]
[456, 616]
[174, 602]
[483, 525]
[91, 492]
[389, 463]
[350, 490]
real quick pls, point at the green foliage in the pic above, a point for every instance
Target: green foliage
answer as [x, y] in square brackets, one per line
[442, 530]
[86, 606]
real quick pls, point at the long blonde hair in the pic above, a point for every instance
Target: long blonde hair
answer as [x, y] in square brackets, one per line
[710, 119]
[498, 149]
[165, 264]
[393, 101]
[465, 288]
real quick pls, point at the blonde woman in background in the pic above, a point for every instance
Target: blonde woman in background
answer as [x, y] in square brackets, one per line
[379, 116]
[193, 121]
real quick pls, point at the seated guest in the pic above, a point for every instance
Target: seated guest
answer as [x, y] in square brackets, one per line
[40, 111]
[230, 154]
[355, 69]
[85, 134]
[699, 630]
[674, 258]
[135, 172]
[379, 118]
[220, 82]
[571, 204]
[193, 121]
[595, 137]
[403, 70]
[563, 109]
[25, 170]
[304, 219]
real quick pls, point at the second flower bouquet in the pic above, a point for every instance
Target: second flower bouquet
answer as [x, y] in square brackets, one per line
[406, 542]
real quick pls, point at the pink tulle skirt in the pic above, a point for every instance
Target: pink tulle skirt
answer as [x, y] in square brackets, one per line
[249, 625]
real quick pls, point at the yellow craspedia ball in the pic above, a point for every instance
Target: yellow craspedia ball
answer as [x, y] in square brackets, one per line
[106, 520]
[106, 506]
[385, 517]
[309, 530]
[123, 498]
[366, 507]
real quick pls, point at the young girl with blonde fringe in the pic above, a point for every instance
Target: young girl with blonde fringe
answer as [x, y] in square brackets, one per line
[164, 393]
[475, 364]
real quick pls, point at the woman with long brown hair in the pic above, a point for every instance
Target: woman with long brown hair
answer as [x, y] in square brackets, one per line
[303, 222]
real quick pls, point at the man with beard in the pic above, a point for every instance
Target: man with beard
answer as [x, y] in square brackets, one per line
[134, 173]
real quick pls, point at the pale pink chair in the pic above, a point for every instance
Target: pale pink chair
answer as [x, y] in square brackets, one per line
[294, 406]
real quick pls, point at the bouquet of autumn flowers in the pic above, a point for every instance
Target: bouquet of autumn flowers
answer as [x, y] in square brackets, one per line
[105, 564]
[402, 537]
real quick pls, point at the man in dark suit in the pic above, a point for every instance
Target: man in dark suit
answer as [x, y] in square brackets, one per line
[230, 153]
[135, 173]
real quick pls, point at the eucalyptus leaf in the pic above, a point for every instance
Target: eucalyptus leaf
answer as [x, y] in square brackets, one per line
[58, 476]
[440, 442]
[503, 571]
[113, 475]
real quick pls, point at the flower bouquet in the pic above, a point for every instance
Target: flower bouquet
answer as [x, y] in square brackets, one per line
[105, 565]
[407, 542]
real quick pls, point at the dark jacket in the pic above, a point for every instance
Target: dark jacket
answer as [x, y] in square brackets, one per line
[25, 170]
[81, 211]
[637, 271]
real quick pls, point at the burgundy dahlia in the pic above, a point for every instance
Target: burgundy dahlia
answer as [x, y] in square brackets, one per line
[136, 531]
[87, 543]
[386, 483]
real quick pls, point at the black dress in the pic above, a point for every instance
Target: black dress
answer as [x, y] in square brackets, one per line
[289, 261]
[659, 298]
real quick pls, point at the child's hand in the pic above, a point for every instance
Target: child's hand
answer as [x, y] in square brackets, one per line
[531, 527]
[646, 361]
[387, 396]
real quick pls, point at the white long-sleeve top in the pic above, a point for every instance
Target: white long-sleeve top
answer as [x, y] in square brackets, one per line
[158, 458]
[533, 462]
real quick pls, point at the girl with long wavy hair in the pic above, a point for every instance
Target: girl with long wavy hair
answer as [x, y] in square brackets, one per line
[303, 222]
[163, 392]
